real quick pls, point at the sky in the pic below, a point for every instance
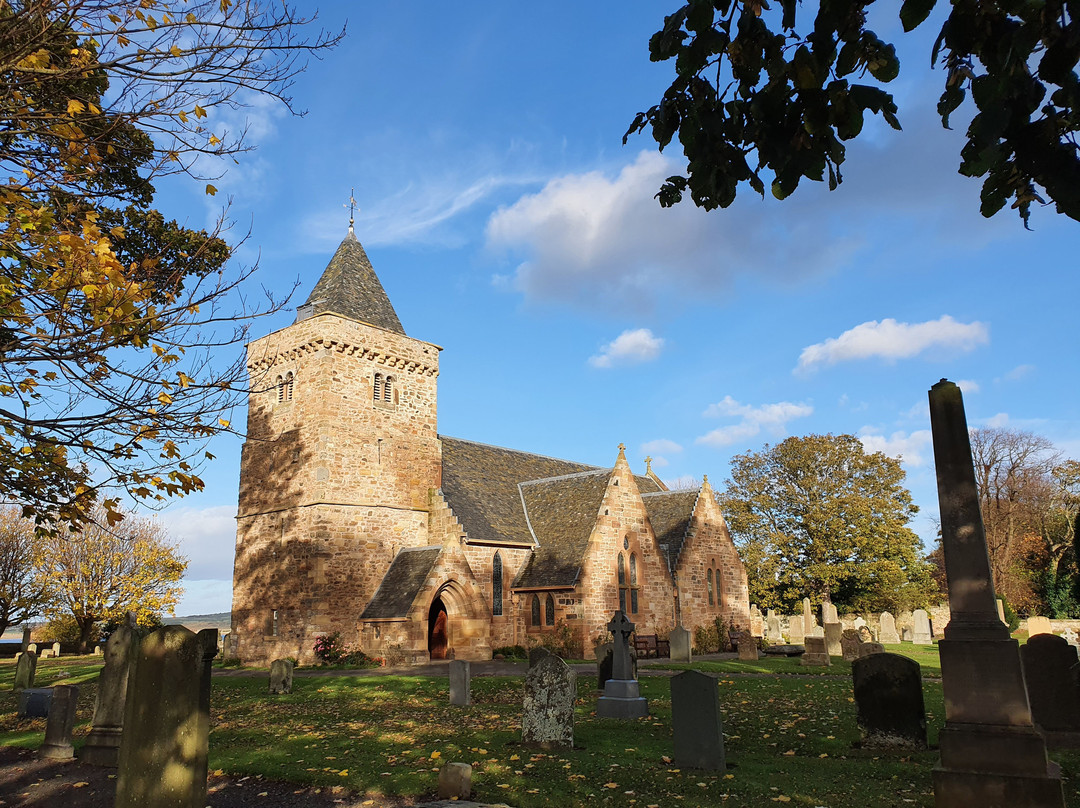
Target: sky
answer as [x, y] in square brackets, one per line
[511, 226]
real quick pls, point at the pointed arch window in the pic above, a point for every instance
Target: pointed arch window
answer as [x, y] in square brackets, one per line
[709, 585]
[633, 584]
[535, 610]
[496, 585]
[549, 611]
[622, 583]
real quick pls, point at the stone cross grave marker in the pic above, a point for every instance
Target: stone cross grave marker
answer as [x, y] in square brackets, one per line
[621, 629]
[460, 683]
[889, 701]
[60, 723]
[887, 629]
[695, 721]
[1049, 663]
[679, 639]
[547, 718]
[281, 676]
[921, 634]
[103, 743]
[622, 696]
[25, 670]
[163, 751]
[817, 654]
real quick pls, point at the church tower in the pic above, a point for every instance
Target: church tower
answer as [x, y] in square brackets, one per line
[341, 458]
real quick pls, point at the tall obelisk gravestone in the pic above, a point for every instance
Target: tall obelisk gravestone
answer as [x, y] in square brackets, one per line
[991, 754]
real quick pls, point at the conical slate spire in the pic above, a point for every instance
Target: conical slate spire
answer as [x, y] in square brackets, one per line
[350, 287]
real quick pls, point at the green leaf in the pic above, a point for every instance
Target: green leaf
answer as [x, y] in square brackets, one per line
[914, 12]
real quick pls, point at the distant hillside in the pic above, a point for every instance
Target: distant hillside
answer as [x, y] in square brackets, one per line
[197, 622]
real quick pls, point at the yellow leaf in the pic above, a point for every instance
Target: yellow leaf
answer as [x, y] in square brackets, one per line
[436, 755]
[191, 19]
[611, 785]
[174, 51]
[182, 116]
[214, 140]
[164, 398]
[210, 190]
[199, 112]
[225, 425]
[75, 106]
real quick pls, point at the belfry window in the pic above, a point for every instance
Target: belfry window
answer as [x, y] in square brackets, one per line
[377, 391]
[288, 386]
[388, 389]
[496, 586]
[708, 585]
[535, 611]
[280, 389]
[549, 611]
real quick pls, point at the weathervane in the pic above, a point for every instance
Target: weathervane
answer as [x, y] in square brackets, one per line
[352, 208]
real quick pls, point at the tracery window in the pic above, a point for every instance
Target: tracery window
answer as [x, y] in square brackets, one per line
[535, 610]
[496, 585]
[549, 611]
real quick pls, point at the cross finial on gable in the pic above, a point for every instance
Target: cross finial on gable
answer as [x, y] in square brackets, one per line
[648, 465]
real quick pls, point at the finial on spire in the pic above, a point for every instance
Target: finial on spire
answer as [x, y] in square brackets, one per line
[704, 479]
[352, 208]
[622, 448]
[648, 465]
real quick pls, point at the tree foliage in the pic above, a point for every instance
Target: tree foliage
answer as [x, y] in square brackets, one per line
[819, 517]
[108, 310]
[24, 590]
[766, 88]
[103, 572]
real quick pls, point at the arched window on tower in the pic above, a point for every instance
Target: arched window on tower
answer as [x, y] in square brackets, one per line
[633, 584]
[388, 389]
[377, 387]
[280, 389]
[708, 583]
[496, 585]
[549, 611]
[622, 583]
[535, 610]
[288, 386]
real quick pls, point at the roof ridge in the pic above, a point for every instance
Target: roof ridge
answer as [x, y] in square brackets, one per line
[565, 476]
[519, 451]
[669, 492]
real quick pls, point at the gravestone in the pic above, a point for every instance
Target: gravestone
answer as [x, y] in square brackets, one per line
[603, 664]
[748, 649]
[56, 649]
[536, 654]
[60, 724]
[25, 670]
[162, 761]
[547, 718]
[817, 631]
[281, 675]
[1049, 673]
[828, 613]
[757, 622]
[860, 622]
[991, 754]
[45, 653]
[817, 654]
[460, 683]
[865, 634]
[1001, 611]
[906, 634]
[681, 644]
[695, 721]
[34, 702]
[455, 781]
[921, 634]
[103, 743]
[795, 631]
[868, 648]
[889, 701]
[98, 651]
[808, 617]
[32, 647]
[1039, 625]
[772, 628]
[849, 644]
[25, 639]
[833, 632]
[887, 629]
[622, 696]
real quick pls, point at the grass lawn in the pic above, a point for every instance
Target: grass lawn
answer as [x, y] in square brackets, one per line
[789, 739]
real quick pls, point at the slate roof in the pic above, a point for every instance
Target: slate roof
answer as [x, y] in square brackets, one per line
[350, 287]
[402, 583]
[670, 513]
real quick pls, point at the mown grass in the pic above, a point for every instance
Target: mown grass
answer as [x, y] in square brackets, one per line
[788, 739]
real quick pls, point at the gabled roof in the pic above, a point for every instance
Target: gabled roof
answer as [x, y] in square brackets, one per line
[670, 513]
[350, 287]
[402, 583]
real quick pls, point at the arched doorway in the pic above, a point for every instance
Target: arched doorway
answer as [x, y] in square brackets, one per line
[438, 635]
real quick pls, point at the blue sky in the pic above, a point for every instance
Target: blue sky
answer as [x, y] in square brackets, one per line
[510, 225]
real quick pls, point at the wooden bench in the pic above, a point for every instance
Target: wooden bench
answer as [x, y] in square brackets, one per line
[647, 645]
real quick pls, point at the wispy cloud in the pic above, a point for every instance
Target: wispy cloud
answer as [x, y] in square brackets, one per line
[968, 386]
[207, 536]
[892, 340]
[658, 449]
[910, 447]
[771, 418]
[1017, 373]
[629, 348]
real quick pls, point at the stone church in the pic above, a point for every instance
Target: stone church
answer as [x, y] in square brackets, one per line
[356, 516]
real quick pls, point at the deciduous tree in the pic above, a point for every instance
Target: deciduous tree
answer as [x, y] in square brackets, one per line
[820, 517]
[24, 591]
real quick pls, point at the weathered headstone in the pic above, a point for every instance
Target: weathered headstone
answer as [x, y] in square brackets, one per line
[162, 761]
[849, 644]
[1050, 675]
[795, 631]
[56, 649]
[45, 653]
[103, 743]
[536, 654]
[281, 675]
[991, 754]
[622, 695]
[921, 634]
[59, 725]
[460, 683]
[695, 721]
[757, 622]
[865, 634]
[889, 701]
[98, 650]
[906, 634]
[808, 617]
[887, 629]
[32, 647]
[547, 718]
[34, 702]
[833, 632]
[817, 654]
[828, 613]
[868, 648]
[772, 628]
[25, 670]
[859, 622]
[25, 639]
[748, 649]
[681, 644]
[1070, 637]
[1039, 625]
[455, 781]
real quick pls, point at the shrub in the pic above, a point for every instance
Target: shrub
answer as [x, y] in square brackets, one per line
[1012, 619]
[560, 642]
[62, 629]
[706, 639]
[511, 651]
[230, 662]
[329, 648]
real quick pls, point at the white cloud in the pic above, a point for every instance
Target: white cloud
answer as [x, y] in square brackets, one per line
[891, 340]
[659, 462]
[967, 386]
[207, 536]
[661, 446]
[1017, 373]
[997, 421]
[772, 418]
[909, 447]
[629, 348]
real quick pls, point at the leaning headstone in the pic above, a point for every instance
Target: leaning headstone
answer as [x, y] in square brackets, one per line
[547, 718]
[828, 613]
[103, 743]
[887, 629]
[1001, 611]
[849, 644]
[808, 617]
[536, 654]
[868, 648]
[889, 701]
[865, 634]
[60, 724]
[1039, 625]
[921, 634]
[772, 628]
[25, 639]
[25, 669]
[817, 631]
[460, 683]
[281, 675]
[1049, 673]
[681, 644]
[34, 702]
[695, 721]
[163, 750]
[795, 631]
[622, 696]
[833, 633]
[748, 649]
[817, 654]
[991, 754]
[455, 781]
